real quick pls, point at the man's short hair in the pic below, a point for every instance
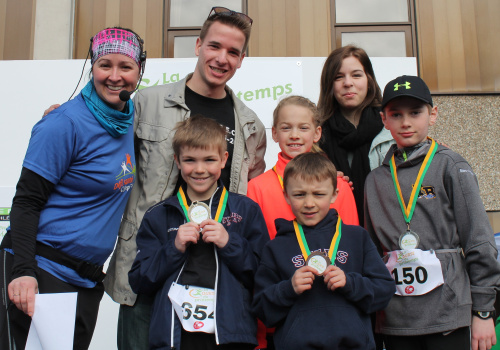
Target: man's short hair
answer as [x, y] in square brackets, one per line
[199, 132]
[230, 20]
[310, 167]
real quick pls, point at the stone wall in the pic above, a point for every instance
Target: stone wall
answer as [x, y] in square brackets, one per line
[470, 125]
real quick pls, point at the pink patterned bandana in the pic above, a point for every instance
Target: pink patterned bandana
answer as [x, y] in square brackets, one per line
[114, 40]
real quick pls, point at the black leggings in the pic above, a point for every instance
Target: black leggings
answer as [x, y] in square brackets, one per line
[459, 339]
[15, 324]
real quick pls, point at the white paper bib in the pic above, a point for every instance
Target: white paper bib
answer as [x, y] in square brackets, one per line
[415, 271]
[194, 307]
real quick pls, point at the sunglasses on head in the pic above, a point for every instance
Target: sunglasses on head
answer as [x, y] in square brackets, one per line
[227, 12]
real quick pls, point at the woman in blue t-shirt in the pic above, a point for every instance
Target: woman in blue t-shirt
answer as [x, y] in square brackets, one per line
[74, 184]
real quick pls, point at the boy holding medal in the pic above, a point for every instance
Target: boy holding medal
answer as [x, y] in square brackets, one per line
[425, 214]
[319, 279]
[198, 251]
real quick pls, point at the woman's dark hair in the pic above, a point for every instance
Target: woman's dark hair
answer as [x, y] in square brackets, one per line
[327, 104]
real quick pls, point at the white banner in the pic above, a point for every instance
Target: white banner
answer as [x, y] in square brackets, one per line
[29, 87]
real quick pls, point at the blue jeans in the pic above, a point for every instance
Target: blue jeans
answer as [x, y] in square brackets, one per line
[133, 324]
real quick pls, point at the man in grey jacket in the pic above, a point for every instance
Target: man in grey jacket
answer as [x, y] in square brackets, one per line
[220, 49]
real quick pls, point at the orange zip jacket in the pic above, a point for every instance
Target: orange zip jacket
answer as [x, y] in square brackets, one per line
[266, 190]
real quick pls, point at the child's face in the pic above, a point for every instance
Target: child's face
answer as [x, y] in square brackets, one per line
[201, 169]
[295, 131]
[408, 119]
[310, 200]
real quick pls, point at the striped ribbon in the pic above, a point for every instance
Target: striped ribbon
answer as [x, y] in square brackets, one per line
[220, 208]
[408, 210]
[332, 252]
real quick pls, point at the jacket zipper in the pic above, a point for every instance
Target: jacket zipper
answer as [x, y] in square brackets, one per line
[215, 291]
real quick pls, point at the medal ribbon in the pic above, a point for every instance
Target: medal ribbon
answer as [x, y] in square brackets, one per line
[220, 208]
[280, 179]
[332, 252]
[408, 210]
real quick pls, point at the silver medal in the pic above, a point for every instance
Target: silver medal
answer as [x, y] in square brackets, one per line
[198, 212]
[319, 261]
[409, 240]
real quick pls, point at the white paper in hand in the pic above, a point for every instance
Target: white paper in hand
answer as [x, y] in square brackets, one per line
[53, 323]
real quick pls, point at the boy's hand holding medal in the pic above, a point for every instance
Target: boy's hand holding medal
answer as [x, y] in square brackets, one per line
[188, 233]
[200, 225]
[303, 279]
[213, 232]
[334, 277]
[209, 230]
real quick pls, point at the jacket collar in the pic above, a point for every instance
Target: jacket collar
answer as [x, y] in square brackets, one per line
[383, 136]
[175, 95]
[417, 155]
[172, 201]
[285, 227]
[281, 164]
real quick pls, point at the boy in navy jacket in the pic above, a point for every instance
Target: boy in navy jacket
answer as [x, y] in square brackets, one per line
[198, 251]
[319, 279]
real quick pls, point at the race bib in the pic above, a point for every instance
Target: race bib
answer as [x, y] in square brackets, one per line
[194, 307]
[416, 272]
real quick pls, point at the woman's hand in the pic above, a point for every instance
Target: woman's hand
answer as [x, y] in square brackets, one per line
[22, 292]
[346, 178]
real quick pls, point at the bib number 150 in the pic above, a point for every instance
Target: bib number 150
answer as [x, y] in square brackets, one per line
[409, 276]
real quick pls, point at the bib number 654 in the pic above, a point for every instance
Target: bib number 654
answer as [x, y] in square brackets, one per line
[199, 312]
[409, 276]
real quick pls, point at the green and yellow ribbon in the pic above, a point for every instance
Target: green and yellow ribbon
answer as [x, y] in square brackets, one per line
[280, 179]
[220, 208]
[409, 209]
[334, 246]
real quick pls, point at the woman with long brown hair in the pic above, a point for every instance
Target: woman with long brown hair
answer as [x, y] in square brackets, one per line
[354, 137]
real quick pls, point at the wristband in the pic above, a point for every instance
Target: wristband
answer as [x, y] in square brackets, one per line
[484, 315]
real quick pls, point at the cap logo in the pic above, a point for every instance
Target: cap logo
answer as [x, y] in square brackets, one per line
[406, 85]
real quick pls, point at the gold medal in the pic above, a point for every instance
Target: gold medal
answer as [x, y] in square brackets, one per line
[198, 212]
[409, 240]
[319, 261]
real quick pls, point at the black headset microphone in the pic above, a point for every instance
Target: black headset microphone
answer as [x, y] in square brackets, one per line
[124, 94]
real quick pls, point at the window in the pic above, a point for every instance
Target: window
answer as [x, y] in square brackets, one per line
[184, 19]
[383, 28]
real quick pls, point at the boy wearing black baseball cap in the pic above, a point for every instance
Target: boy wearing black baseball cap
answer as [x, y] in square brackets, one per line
[424, 212]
